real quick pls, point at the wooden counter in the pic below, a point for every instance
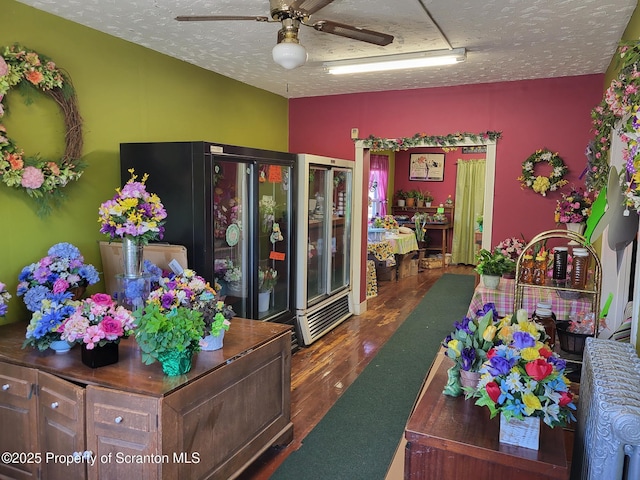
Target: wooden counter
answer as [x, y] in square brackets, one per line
[452, 438]
[210, 423]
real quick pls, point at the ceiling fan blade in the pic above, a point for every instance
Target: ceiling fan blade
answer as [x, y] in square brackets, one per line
[356, 33]
[309, 6]
[209, 18]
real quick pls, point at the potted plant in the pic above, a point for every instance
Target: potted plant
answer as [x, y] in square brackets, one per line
[491, 265]
[267, 279]
[189, 290]
[428, 198]
[401, 197]
[412, 196]
[573, 210]
[467, 346]
[420, 222]
[168, 336]
[512, 248]
[233, 277]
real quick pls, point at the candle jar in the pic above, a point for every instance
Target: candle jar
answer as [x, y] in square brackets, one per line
[580, 267]
[560, 255]
[526, 269]
[540, 270]
[545, 317]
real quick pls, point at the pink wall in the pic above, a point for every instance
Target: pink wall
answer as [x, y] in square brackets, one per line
[533, 114]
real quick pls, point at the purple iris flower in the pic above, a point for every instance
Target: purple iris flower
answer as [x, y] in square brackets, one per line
[500, 365]
[468, 356]
[488, 307]
[523, 340]
[560, 363]
[464, 325]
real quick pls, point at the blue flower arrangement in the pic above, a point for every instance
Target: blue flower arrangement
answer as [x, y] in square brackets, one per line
[45, 323]
[62, 270]
[48, 288]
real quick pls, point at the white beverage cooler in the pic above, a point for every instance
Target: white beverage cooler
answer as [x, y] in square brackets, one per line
[324, 296]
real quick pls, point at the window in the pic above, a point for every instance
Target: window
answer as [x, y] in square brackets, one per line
[378, 181]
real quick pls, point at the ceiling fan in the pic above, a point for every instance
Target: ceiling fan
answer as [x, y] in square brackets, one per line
[288, 52]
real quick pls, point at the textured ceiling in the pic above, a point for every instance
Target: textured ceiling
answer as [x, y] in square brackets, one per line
[505, 39]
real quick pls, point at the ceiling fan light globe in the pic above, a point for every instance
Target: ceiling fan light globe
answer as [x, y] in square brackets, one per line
[289, 55]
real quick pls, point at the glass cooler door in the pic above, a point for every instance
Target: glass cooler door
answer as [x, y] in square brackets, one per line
[231, 244]
[340, 229]
[274, 239]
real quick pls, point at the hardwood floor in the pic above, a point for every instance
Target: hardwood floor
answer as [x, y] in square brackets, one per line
[321, 372]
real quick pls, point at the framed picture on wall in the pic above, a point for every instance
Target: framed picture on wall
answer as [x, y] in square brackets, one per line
[426, 167]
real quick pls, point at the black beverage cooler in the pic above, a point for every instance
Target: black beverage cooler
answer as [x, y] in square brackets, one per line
[233, 209]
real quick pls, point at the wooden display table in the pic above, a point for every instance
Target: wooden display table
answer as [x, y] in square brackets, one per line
[452, 438]
[137, 422]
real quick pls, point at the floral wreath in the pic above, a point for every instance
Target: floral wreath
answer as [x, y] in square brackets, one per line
[538, 183]
[40, 178]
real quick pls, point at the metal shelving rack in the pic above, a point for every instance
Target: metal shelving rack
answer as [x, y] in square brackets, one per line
[592, 290]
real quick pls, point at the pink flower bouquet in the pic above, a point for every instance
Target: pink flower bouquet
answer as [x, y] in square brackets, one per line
[97, 321]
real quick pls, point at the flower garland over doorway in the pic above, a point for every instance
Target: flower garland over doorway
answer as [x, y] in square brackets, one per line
[42, 179]
[377, 144]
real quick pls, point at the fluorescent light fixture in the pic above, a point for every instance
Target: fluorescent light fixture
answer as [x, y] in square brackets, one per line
[397, 62]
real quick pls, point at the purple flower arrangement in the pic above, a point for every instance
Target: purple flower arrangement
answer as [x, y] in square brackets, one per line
[189, 290]
[133, 212]
[573, 208]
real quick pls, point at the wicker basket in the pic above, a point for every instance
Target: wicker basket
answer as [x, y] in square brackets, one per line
[571, 342]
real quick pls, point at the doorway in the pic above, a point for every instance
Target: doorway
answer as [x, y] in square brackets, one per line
[362, 154]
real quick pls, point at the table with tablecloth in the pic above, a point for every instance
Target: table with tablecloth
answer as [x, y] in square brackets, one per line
[402, 243]
[504, 296]
[394, 250]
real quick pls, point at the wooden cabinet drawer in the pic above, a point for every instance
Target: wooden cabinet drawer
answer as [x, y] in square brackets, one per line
[16, 381]
[118, 409]
[124, 417]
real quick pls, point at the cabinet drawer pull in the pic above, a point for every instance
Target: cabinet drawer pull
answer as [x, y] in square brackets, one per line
[6, 386]
[118, 420]
[55, 405]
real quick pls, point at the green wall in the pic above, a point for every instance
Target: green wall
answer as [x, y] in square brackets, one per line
[126, 93]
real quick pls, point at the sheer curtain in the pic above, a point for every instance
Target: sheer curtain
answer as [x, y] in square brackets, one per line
[378, 181]
[469, 204]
